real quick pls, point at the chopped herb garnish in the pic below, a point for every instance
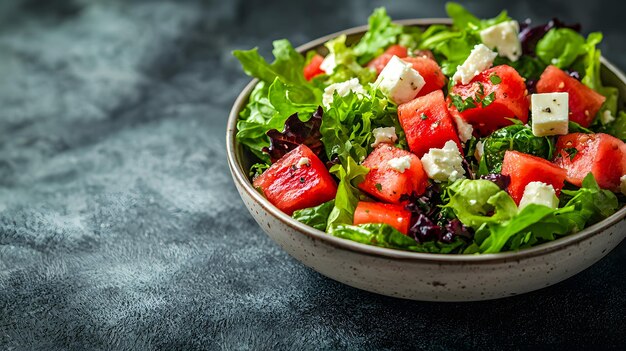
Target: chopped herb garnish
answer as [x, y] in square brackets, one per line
[461, 104]
[489, 99]
[302, 180]
[424, 116]
[379, 187]
[495, 79]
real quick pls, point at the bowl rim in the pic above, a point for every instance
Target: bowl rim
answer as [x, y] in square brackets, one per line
[240, 177]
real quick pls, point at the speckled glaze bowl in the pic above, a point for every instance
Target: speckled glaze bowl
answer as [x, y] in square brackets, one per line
[420, 276]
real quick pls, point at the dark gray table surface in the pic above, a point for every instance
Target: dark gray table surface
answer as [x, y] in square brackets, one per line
[120, 227]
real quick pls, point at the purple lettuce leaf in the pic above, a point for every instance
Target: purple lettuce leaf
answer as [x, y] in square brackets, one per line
[294, 134]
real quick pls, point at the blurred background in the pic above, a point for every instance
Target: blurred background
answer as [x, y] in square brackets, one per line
[120, 226]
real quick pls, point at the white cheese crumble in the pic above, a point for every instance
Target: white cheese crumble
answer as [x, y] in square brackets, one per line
[606, 117]
[342, 89]
[465, 129]
[539, 193]
[303, 161]
[503, 37]
[550, 113]
[384, 135]
[623, 184]
[445, 164]
[328, 64]
[480, 59]
[399, 81]
[401, 163]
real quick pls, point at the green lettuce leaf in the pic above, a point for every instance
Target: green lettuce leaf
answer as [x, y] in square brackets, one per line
[316, 217]
[591, 203]
[380, 34]
[561, 47]
[268, 108]
[535, 224]
[493, 237]
[593, 78]
[464, 20]
[282, 91]
[287, 66]
[348, 122]
[346, 63]
[476, 202]
[350, 174]
[452, 45]
[384, 235]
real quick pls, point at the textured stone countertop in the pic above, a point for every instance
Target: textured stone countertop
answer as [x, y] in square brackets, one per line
[120, 227]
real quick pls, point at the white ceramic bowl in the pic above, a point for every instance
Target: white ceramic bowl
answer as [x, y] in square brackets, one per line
[421, 276]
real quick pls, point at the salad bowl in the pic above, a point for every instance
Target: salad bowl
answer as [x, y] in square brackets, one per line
[423, 276]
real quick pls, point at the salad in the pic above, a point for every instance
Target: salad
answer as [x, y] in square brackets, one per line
[485, 136]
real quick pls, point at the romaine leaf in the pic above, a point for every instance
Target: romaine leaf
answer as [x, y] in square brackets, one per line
[350, 174]
[316, 217]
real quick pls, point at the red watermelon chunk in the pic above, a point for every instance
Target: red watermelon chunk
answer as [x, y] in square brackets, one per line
[387, 183]
[314, 67]
[601, 154]
[292, 184]
[503, 88]
[427, 123]
[375, 212]
[524, 168]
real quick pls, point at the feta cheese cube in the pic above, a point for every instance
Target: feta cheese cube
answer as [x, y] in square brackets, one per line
[303, 161]
[539, 193]
[384, 135]
[465, 129]
[328, 64]
[399, 81]
[622, 184]
[503, 37]
[342, 89]
[550, 113]
[480, 59]
[445, 164]
[400, 163]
